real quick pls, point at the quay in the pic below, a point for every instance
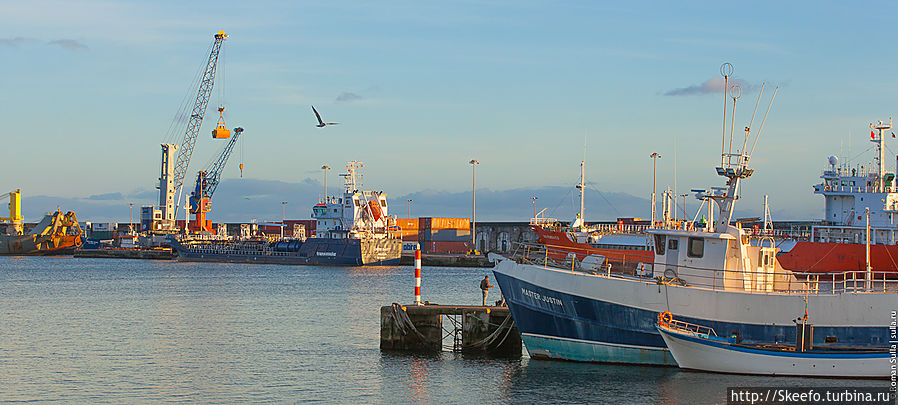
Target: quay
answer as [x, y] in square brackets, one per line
[488, 330]
[126, 253]
[448, 260]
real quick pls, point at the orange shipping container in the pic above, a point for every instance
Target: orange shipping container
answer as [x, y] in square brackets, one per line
[407, 224]
[444, 223]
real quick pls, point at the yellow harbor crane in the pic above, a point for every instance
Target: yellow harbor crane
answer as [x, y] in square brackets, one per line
[15, 211]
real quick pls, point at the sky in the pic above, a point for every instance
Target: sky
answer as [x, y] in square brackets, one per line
[91, 88]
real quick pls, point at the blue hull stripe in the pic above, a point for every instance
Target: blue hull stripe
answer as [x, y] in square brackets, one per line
[777, 353]
[544, 312]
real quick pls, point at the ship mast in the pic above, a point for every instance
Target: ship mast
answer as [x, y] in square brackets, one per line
[880, 153]
[582, 187]
[734, 164]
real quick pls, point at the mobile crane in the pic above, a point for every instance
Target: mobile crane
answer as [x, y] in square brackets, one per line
[174, 170]
[206, 183]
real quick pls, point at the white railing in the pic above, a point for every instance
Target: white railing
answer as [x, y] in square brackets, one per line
[756, 281]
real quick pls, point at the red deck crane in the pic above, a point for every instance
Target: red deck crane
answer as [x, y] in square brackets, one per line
[206, 183]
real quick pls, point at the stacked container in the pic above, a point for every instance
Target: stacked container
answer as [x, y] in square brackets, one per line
[444, 235]
[408, 229]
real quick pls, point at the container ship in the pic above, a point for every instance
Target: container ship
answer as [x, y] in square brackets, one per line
[55, 234]
[352, 230]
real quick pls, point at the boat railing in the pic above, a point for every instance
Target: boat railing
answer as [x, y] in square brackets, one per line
[691, 328]
[756, 280]
[615, 228]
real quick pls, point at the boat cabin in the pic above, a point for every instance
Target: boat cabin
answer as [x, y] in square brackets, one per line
[719, 260]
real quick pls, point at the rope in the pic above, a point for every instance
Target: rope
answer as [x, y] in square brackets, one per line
[487, 341]
[403, 323]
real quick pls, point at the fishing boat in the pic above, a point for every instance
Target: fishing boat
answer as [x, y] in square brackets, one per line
[625, 246]
[352, 230]
[714, 275]
[696, 347]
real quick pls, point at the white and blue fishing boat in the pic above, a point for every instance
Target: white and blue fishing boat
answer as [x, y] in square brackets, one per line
[699, 348]
[712, 274]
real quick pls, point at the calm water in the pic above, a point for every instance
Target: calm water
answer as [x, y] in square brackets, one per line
[104, 330]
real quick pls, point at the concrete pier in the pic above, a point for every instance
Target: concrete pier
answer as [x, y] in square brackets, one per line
[473, 329]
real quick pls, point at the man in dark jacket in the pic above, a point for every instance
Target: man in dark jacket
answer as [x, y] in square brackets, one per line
[485, 287]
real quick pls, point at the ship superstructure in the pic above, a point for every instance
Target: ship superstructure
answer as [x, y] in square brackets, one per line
[849, 192]
[352, 230]
[357, 214]
[860, 203]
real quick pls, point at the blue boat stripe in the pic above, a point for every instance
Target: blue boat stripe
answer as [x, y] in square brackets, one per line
[727, 346]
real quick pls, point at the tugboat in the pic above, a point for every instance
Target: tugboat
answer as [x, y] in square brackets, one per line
[353, 230]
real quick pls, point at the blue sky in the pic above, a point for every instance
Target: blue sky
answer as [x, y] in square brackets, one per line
[90, 89]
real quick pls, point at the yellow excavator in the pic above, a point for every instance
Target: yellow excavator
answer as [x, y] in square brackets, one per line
[56, 233]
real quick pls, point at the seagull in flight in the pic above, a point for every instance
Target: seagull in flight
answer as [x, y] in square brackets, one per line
[321, 124]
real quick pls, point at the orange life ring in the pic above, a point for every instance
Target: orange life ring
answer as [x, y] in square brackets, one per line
[665, 317]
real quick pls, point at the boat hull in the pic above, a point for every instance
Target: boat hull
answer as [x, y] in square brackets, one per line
[825, 257]
[22, 245]
[704, 354]
[313, 251]
[588, 317]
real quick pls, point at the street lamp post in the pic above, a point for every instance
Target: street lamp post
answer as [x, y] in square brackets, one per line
[474, 164]
[655, 156]
[409, 208]
[533, 200]
[325, 168]
[284, 223]
[685, 218]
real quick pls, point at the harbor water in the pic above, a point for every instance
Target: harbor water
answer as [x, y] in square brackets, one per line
[111, 330]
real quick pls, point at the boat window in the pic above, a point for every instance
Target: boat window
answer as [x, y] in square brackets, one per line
[673, 244]
[696, 247]
[659, 244]
[850, 183]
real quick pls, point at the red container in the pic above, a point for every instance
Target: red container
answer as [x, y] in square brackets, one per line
[445, 247]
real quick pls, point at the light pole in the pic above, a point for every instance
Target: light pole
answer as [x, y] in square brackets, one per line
[325, 168]
[474, 164]
[533, 200]
[655, 156]
[284, 223]
[409, 208]
[131, 221]
[685, 218]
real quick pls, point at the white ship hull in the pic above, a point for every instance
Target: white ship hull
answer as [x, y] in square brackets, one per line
[707, 354]
[576, 316]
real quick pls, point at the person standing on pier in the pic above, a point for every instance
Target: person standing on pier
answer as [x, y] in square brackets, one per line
[485, 287]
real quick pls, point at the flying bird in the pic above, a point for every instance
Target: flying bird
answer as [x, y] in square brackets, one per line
[321, 124]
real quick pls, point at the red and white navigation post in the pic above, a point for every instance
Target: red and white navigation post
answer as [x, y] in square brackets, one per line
[418, 275]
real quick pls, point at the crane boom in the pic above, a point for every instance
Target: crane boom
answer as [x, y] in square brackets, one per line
[207, 182]
[196, 116]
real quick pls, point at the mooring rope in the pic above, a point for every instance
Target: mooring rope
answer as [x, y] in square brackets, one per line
[487, 341]
[402, 321]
